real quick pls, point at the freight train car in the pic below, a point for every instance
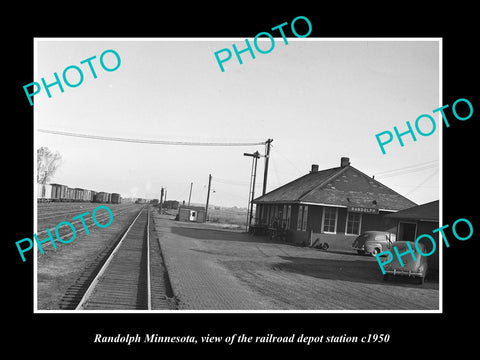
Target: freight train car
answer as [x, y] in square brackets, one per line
[85, 195]
[59, 192]
[116, 198]
[69, 194]
[78, 194]
[102, 197]
[171, 204]
[89, 195]
[44, 192]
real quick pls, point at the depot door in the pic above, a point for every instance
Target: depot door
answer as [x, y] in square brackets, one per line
[407, 231]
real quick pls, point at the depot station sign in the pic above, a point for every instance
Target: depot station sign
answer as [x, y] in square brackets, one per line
[362, 209]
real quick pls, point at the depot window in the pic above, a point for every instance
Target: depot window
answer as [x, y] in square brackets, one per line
[287, 213]
[305, 217]
[329, 220]
[302, 217]
[354, 223]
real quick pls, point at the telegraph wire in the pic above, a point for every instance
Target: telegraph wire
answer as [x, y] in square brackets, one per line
[431, 162]
[289, 161]
[423, 182]
[153, 142]
[232, 182]
[408, 169]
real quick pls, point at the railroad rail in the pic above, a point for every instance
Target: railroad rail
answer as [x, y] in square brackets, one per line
[123, 279]
[123, 282]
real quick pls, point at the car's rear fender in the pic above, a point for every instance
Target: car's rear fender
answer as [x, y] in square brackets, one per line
[370, 246]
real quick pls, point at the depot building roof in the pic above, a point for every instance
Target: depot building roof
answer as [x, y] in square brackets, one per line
[341, 186]
[425, 212]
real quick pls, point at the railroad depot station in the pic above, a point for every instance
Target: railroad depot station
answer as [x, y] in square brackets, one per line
[336, 205]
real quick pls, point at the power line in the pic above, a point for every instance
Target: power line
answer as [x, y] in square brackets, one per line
[155, 142]
[408, 169]
[409, 186]
[431, 162]
[401, 173]
[287, 159]
[230, 182]
[423, 182]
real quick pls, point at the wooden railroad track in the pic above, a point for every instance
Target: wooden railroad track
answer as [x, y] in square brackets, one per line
[124, 280]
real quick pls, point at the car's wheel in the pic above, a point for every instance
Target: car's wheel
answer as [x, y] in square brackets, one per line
[375, 251]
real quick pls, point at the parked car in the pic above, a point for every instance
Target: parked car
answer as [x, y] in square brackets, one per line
[412, 268]
[373, 242]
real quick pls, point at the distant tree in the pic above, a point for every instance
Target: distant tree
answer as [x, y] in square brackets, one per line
[47, 164]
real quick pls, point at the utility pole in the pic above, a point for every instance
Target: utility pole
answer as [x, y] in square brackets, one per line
[161, 200]
[257, 155]
[267, 157]
[165, 198]
[208, 195]
[253, 176]
[190, 196]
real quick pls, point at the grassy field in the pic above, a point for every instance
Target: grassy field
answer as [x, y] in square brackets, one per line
[230, 216]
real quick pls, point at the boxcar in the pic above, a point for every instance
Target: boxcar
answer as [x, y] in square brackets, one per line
[74, 194]
[69, 194]
[39, 190]
[101, 197]
[58, 192]
[87, 195]
[82, 194]
[77, 194]
[44, 192]
[115, 199]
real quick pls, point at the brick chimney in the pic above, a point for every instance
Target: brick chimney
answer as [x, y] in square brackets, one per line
[344, 161]
[314, 168]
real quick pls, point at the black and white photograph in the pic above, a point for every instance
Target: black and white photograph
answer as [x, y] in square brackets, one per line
[231, 179]
[260, 187]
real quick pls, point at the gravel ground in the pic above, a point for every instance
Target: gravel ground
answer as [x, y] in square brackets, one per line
[217, 269]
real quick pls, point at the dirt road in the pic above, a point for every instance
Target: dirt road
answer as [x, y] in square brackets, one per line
[214, 269]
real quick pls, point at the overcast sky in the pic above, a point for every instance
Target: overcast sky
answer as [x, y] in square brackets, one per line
[318, 100]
